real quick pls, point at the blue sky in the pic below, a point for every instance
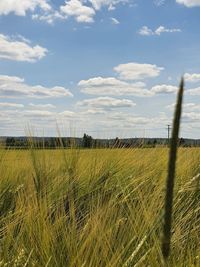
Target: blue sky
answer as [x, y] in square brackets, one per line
[105, 67]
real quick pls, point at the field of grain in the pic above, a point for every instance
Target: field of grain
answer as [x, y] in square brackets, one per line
[93, 208]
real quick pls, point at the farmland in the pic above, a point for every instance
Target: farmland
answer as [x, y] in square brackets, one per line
[98, 207]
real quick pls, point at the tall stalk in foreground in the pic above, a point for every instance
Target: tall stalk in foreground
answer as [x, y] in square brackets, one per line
[171, 174]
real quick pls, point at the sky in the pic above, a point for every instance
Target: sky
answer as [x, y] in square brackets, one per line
[105, 67]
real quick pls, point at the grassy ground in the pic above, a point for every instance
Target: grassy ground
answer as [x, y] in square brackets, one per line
[94, 208]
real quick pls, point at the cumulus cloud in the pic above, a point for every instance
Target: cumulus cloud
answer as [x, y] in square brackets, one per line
[44, 120]
[49, 17]
[20, 7]
[82, 11]
[145, 31]
[112, 86]
[164, 89]
[137, 71]
[98, 4]
[194, 77]
[106, 102]
[15, 87]
[189, 3]
[39, 120]
[20, 50]
[124, 85]
[75, 8]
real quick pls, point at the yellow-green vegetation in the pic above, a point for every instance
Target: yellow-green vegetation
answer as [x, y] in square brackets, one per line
[93, 208]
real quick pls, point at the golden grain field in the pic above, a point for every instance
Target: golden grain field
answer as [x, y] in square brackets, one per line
[96, 208]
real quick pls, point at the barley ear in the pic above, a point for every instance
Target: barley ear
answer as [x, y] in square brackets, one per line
[171, 174]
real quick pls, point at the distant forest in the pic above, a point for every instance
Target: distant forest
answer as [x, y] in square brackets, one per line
[88, 141]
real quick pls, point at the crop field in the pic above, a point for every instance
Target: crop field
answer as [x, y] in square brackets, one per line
[98, 207]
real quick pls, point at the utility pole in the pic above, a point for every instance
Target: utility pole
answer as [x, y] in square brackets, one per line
[168, 132]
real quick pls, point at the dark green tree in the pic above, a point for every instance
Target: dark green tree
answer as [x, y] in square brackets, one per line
[87, 141]
[10, 141]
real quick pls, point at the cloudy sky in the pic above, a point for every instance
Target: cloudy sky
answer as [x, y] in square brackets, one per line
[105, 67]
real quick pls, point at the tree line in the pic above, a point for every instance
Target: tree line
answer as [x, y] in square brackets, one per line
[88, 141]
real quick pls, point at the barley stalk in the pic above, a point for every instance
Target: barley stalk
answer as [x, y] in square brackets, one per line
[171, 175]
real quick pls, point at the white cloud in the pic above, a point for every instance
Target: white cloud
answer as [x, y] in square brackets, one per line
[38, 120]
[112, 86]
[115, 21]
[11, 79]
[191, 117]
[15, 87]
[137, 71]
[42, 10]
[20, 7]
[106, 102]
[189, 3]
[164, 89]
[191, 106]
[94, 111]
[195, 91]
[171, 106]
[161, 29]
[68, 114]
[11, 105]
[21, 38]
[38, 113]
[82, 11]
[98, 4]
[186, 106]
[75, 8]
[34, 114]
[49, 17]
[194, 77]
[20, 50]
[123, 120]
[145, 31]
[42, 106]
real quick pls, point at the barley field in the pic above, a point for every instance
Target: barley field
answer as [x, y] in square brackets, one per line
[98, 207]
